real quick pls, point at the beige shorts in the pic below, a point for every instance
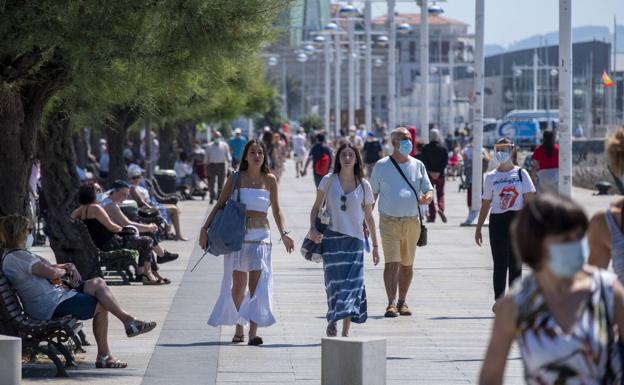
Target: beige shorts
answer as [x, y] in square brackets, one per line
[398, 238]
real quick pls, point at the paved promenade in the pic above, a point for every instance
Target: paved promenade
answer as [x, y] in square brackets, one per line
[442, 343]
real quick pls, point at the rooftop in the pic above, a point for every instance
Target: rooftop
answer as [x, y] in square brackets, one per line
[414, 19]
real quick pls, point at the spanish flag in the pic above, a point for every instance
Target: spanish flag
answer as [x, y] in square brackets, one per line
[606, 80]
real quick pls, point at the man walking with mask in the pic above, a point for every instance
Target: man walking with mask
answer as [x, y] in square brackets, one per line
[399, 217]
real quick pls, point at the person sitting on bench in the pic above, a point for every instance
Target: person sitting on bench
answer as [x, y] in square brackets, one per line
[45, 296]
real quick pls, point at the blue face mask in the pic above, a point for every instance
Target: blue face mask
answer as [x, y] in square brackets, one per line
[567, 258]
[405, 147]
[503, 156]
[99, 197]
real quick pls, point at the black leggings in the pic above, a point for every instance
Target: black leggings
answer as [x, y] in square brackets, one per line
[502, 254]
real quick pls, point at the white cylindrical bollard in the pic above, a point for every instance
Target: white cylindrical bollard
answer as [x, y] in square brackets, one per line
[11, 362]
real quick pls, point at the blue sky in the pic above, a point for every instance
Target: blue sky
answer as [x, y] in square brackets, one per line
[507, 21]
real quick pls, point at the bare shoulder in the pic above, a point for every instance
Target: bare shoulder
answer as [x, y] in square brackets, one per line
[271, 179]
[598, 220]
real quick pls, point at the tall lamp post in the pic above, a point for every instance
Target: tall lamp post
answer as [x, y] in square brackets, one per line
[392, 66]
[477, 129]
[332, 28]
[565, 97]
[350, 12]
[368, 71]
[302, 58]
[327, 79]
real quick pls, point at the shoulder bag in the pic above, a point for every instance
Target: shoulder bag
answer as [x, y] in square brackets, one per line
[422, 240]
[227, 230]
[311, 250]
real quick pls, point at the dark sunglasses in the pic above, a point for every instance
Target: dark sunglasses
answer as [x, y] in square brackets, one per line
[136, 177]
[343, 199]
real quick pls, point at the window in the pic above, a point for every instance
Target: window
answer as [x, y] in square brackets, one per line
[412, 51]
[383, 102]
[373, 103]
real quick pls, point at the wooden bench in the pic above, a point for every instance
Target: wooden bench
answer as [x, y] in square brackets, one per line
[47, 337]
[118, 261]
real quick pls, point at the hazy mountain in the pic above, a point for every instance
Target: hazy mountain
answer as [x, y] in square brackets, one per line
[579, 34]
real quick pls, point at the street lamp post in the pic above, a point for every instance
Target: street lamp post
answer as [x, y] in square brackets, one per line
[424, 70]
[337, 101]
[327, 90]
[477, 143]
[368, 71]
[565, 97]
[392, 66]
[351, 73]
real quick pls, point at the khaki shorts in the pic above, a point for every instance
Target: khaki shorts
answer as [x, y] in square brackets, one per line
[398, 238]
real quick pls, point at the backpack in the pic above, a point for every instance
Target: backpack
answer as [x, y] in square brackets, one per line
[321, 165]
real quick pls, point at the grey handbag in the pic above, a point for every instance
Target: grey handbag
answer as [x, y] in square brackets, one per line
[227, 230]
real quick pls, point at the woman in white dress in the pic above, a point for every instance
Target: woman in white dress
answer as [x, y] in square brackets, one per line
[251, 266]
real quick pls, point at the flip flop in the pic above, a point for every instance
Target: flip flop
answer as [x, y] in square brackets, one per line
[104, 363]
[237, 339]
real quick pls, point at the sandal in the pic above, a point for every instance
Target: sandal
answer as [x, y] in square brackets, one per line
[149, 282]
[164, 281]
[108, 362]
[255, 341]
[134, 328]
[332, 330]
[237, 339]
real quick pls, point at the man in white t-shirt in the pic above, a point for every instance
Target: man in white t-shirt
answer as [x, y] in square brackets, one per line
[299, 144]
[216, 162]
[399, 222]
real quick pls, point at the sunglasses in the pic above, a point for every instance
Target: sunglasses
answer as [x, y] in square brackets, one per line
[136, 177]
[343, 206]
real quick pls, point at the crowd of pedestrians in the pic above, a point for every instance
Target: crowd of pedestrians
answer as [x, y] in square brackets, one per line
[565, 315]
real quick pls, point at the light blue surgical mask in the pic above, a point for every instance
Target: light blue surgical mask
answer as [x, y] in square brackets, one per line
[405, 147]
[567, 258]
[503, 156]
[99, 197]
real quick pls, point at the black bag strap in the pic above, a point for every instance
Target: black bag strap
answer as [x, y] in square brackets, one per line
[409, 184]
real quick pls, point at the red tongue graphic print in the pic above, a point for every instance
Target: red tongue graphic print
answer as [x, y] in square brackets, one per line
[508, 197]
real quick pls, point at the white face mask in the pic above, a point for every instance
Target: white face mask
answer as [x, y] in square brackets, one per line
[29, 241]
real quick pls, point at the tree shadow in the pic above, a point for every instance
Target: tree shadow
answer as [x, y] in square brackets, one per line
[459, 318]
[196, 344]
[273, 346]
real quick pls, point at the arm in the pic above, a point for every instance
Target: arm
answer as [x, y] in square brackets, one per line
[314, 234]
[137, 198]
[104, 219]
[485, 209]
[618, 304]
[75, 215]
[370, 223]
[277, 214]
[121, 219]
[425, 185]
[225, 194]
[599, 244]
[503, 332]
[48, 271]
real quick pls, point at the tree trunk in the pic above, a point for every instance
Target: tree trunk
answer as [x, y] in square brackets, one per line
[186, 136]
[19, 117]
[60, 187]
[116, 129]
[80, 145]
[166, 139]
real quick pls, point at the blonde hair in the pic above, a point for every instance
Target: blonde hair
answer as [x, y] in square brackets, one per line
[614, 150]
[12, 229]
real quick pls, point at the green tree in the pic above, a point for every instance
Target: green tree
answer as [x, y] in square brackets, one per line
[312, 122]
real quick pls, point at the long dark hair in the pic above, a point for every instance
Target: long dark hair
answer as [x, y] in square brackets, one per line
[548, 141]
[357, 167]
[244, 165]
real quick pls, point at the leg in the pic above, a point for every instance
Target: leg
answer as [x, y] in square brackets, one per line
[254, 277]
[97, 288]
[499, 257]
[346, 324]
[440, 192]
[239, 284]
[174, 214]
[514, 266]
[212, 181]
[405, 280]
[220, 177]
[100, 330]
[391, 280]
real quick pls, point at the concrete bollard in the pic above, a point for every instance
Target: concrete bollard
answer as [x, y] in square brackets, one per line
[353, 361]
[11, 362]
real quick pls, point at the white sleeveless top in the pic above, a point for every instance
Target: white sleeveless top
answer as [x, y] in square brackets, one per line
[256, 199]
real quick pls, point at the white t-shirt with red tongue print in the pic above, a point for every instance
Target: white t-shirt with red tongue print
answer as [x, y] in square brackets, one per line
[505, 189]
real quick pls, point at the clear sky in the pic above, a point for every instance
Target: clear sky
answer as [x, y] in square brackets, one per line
[507, 21]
